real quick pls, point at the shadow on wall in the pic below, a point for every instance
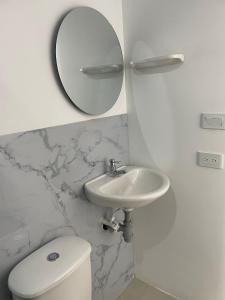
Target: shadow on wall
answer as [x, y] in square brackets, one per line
[151, 117]
[157, 220]
[137, 145]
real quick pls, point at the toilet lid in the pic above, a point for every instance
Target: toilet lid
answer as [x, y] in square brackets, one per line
[48, 266]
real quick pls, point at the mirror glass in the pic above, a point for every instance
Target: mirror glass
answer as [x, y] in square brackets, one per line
[89, 60]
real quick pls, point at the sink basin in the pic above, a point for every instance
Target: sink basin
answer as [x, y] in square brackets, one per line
[137, 188]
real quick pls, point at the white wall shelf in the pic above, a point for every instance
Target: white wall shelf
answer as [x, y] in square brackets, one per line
[157, 62]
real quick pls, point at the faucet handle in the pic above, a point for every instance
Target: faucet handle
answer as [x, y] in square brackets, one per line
[112, 168]
[112, 161]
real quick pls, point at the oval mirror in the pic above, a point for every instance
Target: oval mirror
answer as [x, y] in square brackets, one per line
[89, 60]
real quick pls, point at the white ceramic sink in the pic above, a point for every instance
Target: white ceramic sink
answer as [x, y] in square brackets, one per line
[137, 188]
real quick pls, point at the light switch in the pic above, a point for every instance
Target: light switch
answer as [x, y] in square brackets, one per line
[213, 121]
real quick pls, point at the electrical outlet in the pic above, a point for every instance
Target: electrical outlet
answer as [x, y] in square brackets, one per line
[210, 160]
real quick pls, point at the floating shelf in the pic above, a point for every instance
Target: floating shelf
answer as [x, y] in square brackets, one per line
[156, 62]
[105, 69]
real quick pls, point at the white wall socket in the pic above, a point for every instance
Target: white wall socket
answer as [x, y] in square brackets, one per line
[210, 160]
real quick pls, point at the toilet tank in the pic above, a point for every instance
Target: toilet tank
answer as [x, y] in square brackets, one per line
[60, 270]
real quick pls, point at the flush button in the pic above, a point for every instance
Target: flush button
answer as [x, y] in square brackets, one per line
[53, 256]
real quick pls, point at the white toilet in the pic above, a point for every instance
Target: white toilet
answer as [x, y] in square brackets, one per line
[60, 270]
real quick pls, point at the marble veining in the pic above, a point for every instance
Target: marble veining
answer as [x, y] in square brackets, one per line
[42, 173]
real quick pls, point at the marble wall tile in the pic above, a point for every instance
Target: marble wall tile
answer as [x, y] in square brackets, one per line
[42, 173]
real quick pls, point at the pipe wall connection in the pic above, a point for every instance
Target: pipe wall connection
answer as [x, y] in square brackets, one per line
[126, 227]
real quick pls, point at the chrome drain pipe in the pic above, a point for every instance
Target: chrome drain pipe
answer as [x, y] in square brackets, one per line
[126, 227]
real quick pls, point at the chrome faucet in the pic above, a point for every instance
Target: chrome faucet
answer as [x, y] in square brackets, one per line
[113, 172]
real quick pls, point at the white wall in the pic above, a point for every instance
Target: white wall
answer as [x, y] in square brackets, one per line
[180, 239]
[30, 96]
